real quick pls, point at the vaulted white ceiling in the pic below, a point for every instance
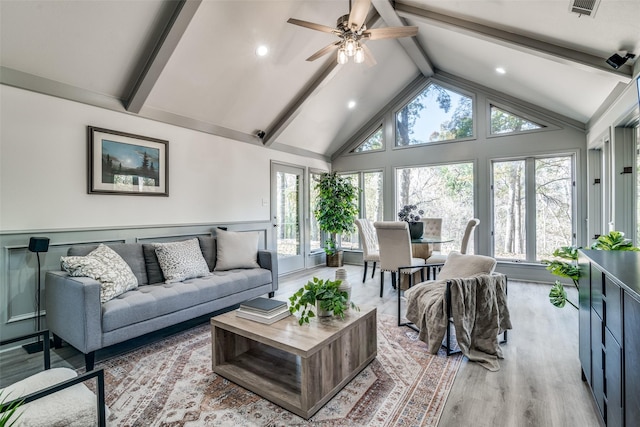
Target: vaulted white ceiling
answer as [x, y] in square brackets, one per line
[193, 63]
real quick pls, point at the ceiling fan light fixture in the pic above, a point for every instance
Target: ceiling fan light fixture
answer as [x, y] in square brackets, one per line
[350, 46]
[342, 56]
[359, 55]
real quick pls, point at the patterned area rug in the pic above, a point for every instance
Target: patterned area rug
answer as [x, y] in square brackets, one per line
[170, 383]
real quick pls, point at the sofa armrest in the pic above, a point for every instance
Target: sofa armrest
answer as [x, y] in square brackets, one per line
[74, 311]
[269, 259]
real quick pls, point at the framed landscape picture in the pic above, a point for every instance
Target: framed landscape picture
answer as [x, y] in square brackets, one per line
[123, 163]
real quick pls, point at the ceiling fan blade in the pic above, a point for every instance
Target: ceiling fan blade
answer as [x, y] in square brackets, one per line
[313, 26]
[390, 33]
[358, 13]
[324, 51]
[368, 55]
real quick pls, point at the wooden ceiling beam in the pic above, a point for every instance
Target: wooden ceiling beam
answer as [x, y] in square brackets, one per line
[162, 51]
[410, 44]
[522, 43]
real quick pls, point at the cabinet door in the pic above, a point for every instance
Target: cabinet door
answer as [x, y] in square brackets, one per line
[597, 360]
[631, 360]
[584, 301]
[612, 308]
[613, 380]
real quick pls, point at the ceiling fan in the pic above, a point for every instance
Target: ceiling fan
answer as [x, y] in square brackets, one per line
[352, 31]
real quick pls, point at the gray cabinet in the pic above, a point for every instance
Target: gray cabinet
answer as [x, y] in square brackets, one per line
[609, 301]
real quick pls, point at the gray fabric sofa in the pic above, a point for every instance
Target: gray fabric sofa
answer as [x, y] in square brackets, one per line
[76, 315]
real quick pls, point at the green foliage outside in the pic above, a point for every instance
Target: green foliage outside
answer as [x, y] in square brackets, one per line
[326, 292]
[565, 258]
[372, 143]
[505, 122]
[458, 125]
[336, 209]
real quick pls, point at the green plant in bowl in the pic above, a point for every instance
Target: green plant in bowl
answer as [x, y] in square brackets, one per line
[324, 294]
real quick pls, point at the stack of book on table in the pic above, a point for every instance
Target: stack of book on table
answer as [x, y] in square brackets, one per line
[263, 310]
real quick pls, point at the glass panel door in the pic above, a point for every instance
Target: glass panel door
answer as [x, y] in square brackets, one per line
[287, 203]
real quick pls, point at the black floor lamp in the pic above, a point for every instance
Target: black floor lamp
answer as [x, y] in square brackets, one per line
[37, 245]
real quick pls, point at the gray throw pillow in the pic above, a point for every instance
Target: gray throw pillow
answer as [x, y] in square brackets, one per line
[237, 249]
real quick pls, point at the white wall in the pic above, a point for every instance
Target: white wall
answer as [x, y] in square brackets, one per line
[43, 170]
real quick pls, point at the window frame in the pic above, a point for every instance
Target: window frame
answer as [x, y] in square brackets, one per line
[361, 197]
[530, 199]
[509, 108]
[379, 128]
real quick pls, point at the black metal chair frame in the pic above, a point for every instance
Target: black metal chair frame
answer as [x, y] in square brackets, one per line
[447, 296]
[98, 374]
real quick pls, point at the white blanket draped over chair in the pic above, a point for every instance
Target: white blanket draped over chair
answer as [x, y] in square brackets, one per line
[478, 309]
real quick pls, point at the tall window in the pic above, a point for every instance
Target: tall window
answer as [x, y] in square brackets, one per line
[350, 240]
[436, 114]
[443, 191]
[315, 235]
[637, 242]
[531, 229]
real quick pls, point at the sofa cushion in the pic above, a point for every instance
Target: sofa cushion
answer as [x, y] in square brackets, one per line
[181, 260]
[106, 266]
[209, 251]
[237, 250]
[130, 252]
[154, 272]
[147, 302]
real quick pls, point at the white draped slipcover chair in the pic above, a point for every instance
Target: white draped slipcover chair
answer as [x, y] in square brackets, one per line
[396, 255]
[369, 242]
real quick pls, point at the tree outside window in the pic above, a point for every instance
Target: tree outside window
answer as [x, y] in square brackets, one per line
[436, 114]
[550, 214]
[443, 191]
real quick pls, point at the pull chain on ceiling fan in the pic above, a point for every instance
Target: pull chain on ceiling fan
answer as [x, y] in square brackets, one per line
[352, 31]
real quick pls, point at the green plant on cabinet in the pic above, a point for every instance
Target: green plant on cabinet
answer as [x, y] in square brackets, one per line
[565, 263]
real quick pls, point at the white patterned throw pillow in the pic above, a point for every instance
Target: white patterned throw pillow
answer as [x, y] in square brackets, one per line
[107, 267]
[181, 260]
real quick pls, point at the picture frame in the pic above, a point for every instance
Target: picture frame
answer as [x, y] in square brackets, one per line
[127, 164]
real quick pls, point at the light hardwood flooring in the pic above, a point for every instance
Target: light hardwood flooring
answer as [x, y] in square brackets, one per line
[539, 383]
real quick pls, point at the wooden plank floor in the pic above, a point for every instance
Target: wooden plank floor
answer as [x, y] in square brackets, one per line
[539, 383]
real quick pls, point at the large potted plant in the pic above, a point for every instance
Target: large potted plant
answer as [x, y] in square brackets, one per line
[324, 296]
[336, 212]
[564, 264]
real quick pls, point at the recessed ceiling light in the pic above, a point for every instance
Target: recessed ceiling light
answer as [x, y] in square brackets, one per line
[262, 50]
[351, 105]
[500, 70]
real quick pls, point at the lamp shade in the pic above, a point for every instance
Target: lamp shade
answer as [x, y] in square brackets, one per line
[39, 244]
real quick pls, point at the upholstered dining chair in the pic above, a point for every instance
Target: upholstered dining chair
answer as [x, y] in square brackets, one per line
[432, 228]
[394, 242]
[439, 259]
[369, 242]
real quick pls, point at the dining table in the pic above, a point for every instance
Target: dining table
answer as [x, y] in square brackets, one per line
[422, 247]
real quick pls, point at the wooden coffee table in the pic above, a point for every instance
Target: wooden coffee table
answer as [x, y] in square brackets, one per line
[297, 367]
